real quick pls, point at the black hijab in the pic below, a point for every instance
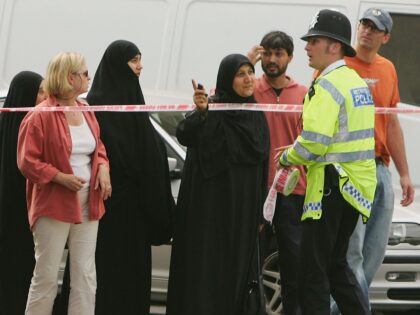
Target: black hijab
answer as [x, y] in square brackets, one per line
[124, 134]
[137, 154]
[228, 68]
[232, 136]
[114, 82]
[13, 214]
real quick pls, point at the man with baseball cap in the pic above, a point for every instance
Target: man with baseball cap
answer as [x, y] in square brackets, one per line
[368, 242]
[381, 18]
[337, 147]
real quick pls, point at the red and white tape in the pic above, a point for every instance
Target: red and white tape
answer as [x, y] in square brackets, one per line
[188, 107]
[284, 182]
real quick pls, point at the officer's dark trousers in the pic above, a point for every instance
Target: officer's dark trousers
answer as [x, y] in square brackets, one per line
[323, 267]
[288, 227]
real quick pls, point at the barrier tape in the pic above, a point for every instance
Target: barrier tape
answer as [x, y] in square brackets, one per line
[189, 107]
[284, 182]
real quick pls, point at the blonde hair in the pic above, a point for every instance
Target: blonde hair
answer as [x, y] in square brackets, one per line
[60, 66]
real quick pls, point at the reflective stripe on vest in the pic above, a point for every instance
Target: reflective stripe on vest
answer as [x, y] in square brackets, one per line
[338, 137]
[333, 157]
[312, 210]
[357, 196]
[340, 100]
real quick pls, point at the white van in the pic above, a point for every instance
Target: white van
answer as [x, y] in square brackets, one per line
[185, 39]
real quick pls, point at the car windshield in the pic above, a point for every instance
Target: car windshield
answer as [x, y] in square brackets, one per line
[168, 121]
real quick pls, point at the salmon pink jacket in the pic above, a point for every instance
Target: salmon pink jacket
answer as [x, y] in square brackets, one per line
[44, 149]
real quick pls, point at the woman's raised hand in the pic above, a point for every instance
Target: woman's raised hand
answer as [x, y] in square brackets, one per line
[200, 97]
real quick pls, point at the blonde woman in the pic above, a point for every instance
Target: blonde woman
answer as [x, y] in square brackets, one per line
[66, 167]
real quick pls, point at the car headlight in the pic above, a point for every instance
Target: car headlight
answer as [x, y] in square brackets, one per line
[404, 233]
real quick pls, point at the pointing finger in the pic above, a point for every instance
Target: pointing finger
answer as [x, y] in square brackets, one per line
[194, 84]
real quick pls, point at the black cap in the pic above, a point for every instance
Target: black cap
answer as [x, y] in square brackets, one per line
[332, 24]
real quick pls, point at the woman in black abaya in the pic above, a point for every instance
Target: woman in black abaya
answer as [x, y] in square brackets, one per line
[139, 212]
[220, 200]
[16, 243]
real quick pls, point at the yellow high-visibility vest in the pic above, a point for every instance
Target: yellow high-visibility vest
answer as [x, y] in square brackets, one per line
[338, 129]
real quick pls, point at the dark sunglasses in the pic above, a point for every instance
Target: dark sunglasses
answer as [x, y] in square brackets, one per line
[367, 24]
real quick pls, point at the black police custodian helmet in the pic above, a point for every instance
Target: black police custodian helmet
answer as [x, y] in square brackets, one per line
[332, 24]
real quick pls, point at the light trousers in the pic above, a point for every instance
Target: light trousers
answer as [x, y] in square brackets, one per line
[50, 237]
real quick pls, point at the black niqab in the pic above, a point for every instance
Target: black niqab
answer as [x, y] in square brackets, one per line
[16, 242]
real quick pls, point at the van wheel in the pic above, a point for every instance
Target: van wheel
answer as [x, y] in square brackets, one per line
[271, 282]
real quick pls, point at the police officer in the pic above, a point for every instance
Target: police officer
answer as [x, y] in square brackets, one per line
[337, 147]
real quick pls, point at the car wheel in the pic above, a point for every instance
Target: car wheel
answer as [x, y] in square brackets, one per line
[271, 283]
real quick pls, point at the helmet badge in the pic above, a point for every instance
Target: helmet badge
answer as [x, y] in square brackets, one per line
[314, 21]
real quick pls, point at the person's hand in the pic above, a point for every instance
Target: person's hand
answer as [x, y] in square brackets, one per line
[279, 152]
[70, 181]
[254, 55]
[407, 191]
[200, 98]
[103, 181]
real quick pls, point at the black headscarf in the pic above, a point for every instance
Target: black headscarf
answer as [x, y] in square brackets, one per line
[137, 154]
[228, 68]
[115, 83]
[13, 214]
[232, 136]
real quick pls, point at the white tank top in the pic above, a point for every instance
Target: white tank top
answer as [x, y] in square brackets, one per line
[83, 145]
